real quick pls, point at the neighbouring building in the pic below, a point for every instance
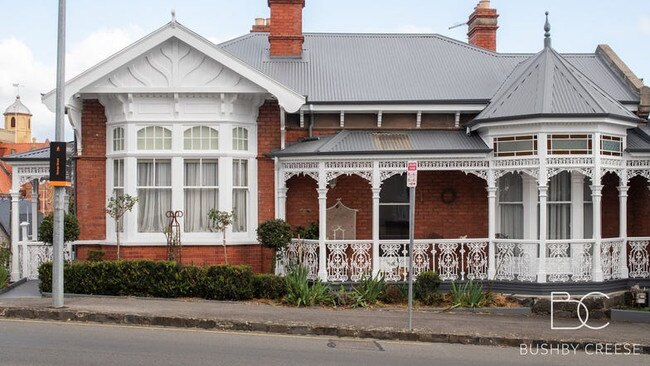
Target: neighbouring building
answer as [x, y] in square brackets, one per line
[532, 167]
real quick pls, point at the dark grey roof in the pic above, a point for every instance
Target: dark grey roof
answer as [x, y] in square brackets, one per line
[638, 139]
[375, 68]
[349, 142]
[547, 85]
[37, 154]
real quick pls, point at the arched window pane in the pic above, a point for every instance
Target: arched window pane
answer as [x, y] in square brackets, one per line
[201, 138]
[154, 138]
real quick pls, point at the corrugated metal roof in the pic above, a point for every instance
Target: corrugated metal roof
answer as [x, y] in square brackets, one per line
[395, 142]
[548, 85]
[375, 68]
[638, 139]
[37, 154]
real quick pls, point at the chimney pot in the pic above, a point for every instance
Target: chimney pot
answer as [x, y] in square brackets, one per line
[260, 21]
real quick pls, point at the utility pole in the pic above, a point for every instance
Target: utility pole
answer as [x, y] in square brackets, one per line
[411, 183]
[59, 191]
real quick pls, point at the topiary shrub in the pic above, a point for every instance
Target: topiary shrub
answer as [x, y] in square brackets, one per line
[70, 229]
[311, 232]
[268, 286]
[426, 288]
[275, 234]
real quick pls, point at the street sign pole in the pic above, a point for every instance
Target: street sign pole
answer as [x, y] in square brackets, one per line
[411, 183]
[59, 191]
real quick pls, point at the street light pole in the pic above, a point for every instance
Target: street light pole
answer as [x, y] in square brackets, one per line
[59, 191]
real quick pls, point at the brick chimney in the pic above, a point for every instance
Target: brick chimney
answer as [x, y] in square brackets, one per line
[482, 26]
[285, 36]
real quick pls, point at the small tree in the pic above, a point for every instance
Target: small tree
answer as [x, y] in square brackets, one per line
[70, 229]
[275, 234]
[117, 207]
[220, 222]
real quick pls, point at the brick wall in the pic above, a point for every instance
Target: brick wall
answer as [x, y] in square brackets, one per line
[610, 207]
[252, 255]
[91, 173]
[482, 28]
[467, 215]
[638, 208]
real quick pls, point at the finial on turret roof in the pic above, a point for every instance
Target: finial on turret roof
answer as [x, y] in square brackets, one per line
[174, 16]
[547, 34]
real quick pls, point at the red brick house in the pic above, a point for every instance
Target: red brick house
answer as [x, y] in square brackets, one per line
[284, 124]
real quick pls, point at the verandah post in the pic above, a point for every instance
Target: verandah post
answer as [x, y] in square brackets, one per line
[492, 208]
[622, 202]
[376, 190]
[322, 222]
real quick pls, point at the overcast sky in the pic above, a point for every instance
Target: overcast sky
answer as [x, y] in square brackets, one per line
[97, 29]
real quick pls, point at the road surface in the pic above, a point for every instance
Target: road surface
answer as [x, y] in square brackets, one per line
[56, 343]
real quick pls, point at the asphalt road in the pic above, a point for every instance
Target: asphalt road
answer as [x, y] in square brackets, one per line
[53, 343]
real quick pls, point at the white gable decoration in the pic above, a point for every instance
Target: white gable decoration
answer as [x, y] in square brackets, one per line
[174, 65]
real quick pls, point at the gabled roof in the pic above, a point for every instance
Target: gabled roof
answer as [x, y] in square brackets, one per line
[547, 85]
[402, 68]
[287, 98]
[350, 142]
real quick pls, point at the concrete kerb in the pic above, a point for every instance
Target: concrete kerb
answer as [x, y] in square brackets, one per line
[67, 315]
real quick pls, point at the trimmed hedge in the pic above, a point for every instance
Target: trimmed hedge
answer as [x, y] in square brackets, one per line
[148, 278]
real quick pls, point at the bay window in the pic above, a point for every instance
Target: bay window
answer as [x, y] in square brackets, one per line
[559, 206]
[118, 139]
[240, 139]
[154, 138]
[201, 138]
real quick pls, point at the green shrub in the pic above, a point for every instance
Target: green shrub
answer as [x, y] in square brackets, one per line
[368, 290]
[395, 294]
[152, 278]
[4, 276]
[275, 234]
[96, 255]
[311, 232]
[5, 255]
[426, 288]
[300, 292]
[470, 294]
[70, 229]
[341, 297]
[268, 286]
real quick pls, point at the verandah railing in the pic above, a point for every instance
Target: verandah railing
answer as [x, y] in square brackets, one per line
[464, 259]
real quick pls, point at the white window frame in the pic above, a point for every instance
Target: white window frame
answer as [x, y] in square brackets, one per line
[155, 186]
[238, 139]
[201, 186]
[164, 140]
[118, 139]
[177, 154]
[200, 139]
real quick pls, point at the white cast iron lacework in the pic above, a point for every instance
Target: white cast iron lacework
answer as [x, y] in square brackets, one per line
[348, 260]
[448, 261]
[515, 261]
[337, 262]
[361, 264]
[302, 252]
[610, 256]
[569, 260]
[638, 258]
[477, 261]
[392, 263]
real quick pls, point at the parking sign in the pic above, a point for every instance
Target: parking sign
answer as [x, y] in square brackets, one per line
[412, 174]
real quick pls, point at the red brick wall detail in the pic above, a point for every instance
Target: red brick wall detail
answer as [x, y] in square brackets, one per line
[286, 37]
[482, 28]
[91, 173]
[192, 254]
[467, 215]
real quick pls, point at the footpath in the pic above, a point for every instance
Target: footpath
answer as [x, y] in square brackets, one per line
[377, 323]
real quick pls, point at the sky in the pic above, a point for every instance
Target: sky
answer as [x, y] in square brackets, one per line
[97, 29]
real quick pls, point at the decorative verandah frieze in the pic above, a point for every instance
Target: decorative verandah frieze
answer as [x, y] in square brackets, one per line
[593, 259]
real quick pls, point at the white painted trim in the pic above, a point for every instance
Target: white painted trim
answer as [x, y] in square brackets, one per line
[392, 108]
[287, 98]
[551, 124]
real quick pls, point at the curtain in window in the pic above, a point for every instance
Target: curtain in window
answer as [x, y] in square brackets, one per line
[511, 206]
[588, 212]
[240, 195]
[559, 207]
[153, 202]
[198, 198]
